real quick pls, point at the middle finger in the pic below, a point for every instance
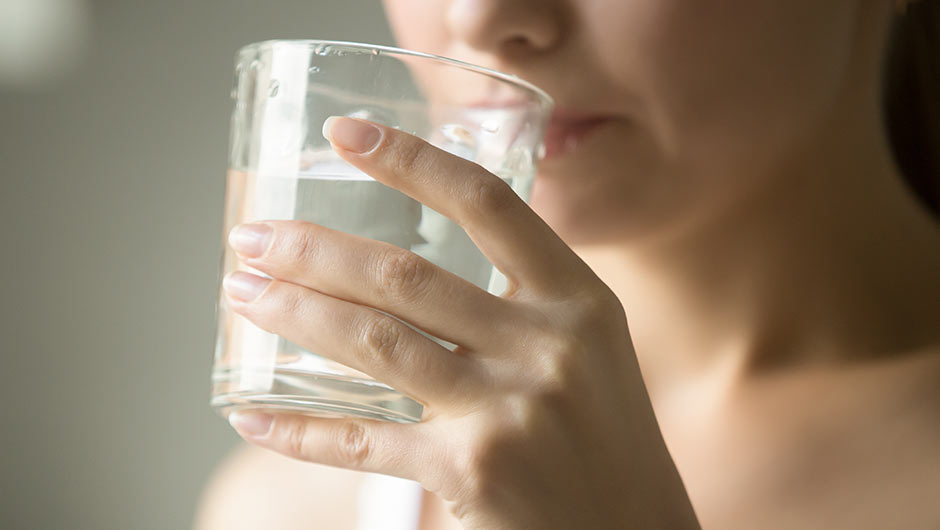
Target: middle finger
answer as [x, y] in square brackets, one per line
[378, 275]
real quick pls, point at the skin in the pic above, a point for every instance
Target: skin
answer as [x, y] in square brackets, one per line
[741, 211]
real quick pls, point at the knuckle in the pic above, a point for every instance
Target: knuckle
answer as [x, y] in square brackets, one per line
[599, 311]
[463, 511]
[581, 314]
[531, 411]
[556, 333]
[403, 276]
[488, 193]
[291, 302]
[563, 369]
[475, 473]
[353, 444]
[601, 302]
[488, 453]
[409, 155]
[564, 378]
[295, 439]
[380, 339]
[302, 244]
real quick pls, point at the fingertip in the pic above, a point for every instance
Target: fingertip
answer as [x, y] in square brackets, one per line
[253, 425]
[327, 127]
[244, 286]
[353, 135]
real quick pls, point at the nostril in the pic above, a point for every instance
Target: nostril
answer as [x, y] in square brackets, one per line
[518, 40]
[516, 45]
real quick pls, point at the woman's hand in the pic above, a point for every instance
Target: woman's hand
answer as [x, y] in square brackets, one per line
[539, 418]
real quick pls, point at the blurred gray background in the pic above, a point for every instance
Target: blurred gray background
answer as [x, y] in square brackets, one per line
[113, 139]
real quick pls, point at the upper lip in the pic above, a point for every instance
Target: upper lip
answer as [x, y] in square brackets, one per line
[566, 117]
[560, 115]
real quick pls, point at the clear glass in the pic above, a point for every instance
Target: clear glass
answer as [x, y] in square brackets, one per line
[281, 167]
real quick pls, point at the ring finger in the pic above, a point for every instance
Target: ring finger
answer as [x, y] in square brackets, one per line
[378, 275]
[356, 336]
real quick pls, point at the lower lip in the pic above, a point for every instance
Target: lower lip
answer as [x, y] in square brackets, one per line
[562, 138]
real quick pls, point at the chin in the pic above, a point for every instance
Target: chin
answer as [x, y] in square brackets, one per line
[590, 210]
[570, 214]
[613, 187]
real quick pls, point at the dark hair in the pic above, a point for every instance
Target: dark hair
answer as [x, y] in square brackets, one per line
[912, 98]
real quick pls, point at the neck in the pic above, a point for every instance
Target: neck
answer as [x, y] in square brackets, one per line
[835, 262]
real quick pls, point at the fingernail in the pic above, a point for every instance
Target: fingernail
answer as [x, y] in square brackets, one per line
[244, 286]
[250, 240]
[251, 424]
[352, 135]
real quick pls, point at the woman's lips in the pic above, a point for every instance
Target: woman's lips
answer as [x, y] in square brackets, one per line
[567, 129]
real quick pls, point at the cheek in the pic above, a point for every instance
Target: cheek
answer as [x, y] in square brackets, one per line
[726, 90]
[620, 190]
[419, 25]
[729, 85]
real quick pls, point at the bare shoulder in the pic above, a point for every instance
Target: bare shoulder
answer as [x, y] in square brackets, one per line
[919, 377]
[254, 488]
[878, 451]
[848, 447]
[930, 382]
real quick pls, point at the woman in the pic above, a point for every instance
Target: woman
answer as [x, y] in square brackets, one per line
[731, 322]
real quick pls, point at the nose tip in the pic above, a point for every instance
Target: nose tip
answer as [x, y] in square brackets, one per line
[505, 26]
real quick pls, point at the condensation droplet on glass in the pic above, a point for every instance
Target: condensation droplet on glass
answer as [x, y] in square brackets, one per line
[361, 114]
[376, 114]
[519, 160]
[490, 126]
[375, 52]
[273, 88]
[458, 134]
[313, 70]
[321, 49]
[540, 152]
[254, 65]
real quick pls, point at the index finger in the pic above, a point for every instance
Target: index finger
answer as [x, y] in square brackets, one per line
[498, 221]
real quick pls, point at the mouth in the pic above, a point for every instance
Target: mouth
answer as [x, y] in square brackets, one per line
[567, 129]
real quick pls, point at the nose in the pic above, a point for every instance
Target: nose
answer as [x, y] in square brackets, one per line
[506, 27]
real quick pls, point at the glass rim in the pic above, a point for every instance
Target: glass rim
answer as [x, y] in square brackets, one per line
[502, 76]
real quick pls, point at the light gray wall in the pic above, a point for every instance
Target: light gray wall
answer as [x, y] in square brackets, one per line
[111, 185]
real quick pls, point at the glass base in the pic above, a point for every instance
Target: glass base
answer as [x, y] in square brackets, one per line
[323, 395]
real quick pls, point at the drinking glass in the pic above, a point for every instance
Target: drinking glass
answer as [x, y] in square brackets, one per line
[281, 167]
